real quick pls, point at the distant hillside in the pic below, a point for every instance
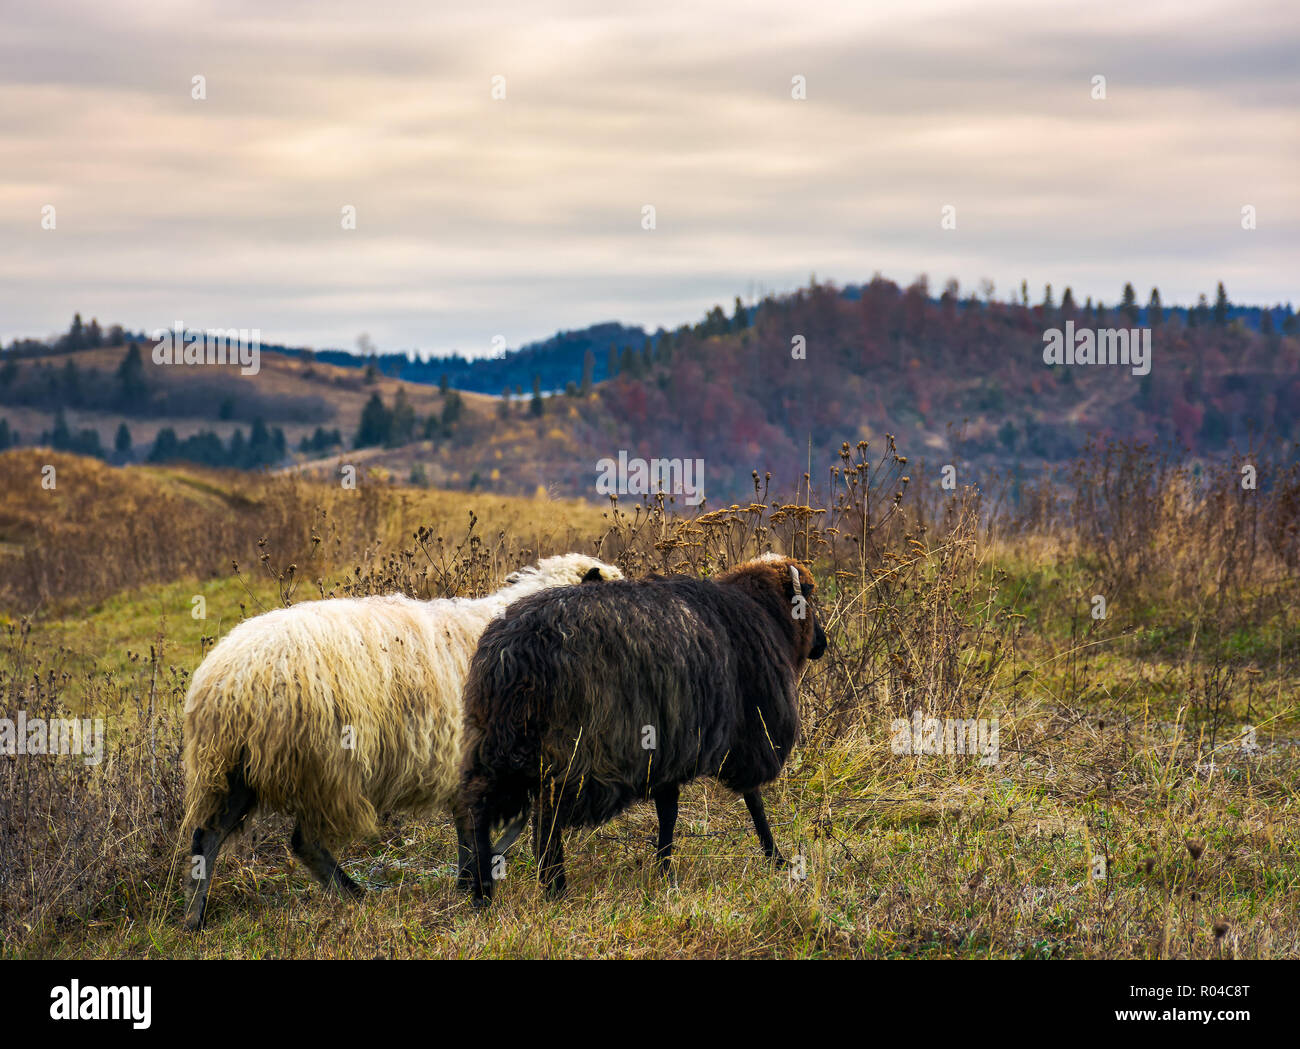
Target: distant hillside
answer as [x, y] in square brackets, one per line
[959, 381]
[772, 387]
[560, 359]
[556, 361]
[85, 398]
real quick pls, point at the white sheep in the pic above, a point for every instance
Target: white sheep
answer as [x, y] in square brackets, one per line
[334, 711]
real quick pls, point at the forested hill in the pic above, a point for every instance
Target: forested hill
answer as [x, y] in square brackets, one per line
[953, 378]
[958, 380]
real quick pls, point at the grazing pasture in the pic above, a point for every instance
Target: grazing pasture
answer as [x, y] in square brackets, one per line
[1138, 798]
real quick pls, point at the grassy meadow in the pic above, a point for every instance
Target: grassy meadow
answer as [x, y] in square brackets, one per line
[1144, 801]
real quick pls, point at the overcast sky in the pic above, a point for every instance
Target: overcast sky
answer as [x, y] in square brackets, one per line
[478, 217]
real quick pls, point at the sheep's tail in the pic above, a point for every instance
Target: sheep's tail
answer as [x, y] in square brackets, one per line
[206, 763]
[286, 758]
[207, 772]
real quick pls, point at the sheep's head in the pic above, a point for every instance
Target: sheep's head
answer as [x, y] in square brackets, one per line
[565, 570]
[771, 574]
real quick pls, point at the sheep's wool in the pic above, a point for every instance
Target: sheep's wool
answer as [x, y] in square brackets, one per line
[344, 708]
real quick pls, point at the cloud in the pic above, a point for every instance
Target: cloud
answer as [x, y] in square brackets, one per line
[479, 217]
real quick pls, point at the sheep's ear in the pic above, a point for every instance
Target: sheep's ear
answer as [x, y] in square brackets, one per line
[593, 576]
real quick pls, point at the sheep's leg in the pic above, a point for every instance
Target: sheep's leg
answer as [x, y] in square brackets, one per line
[548, 844]
[474, 835]
[666, 810]
[207, 843]
[465, 845]
[323, 865]
[754, 802]
[464, 851]
[480, 827]
[203, 856]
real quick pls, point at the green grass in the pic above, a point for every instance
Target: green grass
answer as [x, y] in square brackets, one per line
[110, 636]
[903, 857]
[996, 872]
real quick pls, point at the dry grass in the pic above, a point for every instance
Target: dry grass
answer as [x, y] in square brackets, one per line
[1130, 813]
[102, 530]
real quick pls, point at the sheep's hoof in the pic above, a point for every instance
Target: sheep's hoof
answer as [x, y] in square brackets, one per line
[194, 923]
[482, 903]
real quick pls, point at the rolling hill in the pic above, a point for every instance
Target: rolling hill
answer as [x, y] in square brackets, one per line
[777, 388]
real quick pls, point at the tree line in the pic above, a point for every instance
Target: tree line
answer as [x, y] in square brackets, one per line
[261, 446]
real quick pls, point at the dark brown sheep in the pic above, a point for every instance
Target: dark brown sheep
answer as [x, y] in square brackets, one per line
[588, 699]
